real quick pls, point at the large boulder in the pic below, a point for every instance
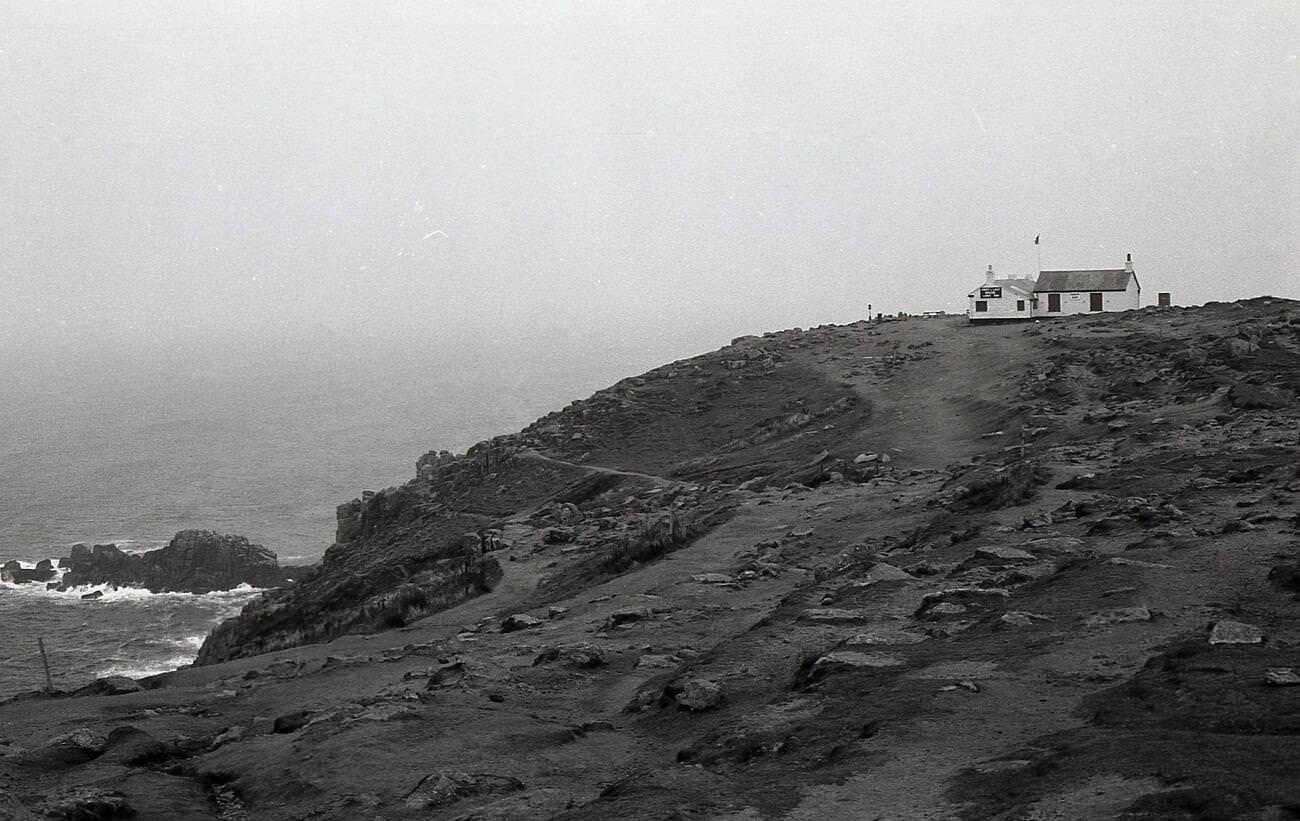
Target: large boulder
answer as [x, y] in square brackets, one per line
[1259, 397]
[66, 750]
[195, 561]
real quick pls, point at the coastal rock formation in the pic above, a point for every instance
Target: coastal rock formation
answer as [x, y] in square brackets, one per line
[195, 561]
[1074, 574]
[12, 571]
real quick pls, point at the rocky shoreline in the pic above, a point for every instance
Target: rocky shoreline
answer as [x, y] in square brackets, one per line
[194, 561]
[899, 570]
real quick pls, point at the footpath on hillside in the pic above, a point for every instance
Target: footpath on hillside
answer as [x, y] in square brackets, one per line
[1073, 578]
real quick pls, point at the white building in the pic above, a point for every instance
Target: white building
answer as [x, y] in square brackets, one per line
[1005, 298]
[1056, 293]
[1061, 293]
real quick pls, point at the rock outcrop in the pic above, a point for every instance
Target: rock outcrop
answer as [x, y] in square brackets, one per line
[12, 571]
[195, 561]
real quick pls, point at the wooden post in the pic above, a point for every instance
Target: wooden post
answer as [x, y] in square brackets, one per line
[45, 660]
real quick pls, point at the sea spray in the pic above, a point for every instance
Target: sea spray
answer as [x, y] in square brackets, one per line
[124, 631]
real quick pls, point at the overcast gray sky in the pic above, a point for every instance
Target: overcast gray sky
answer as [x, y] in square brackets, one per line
[645, 168]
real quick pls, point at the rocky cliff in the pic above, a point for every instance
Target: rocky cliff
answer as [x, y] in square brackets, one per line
[899, 570]
[656, 445]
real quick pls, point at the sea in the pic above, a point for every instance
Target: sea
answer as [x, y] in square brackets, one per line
[129, 444]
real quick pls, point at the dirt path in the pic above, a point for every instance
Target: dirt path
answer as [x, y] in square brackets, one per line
[541, 457]
[934, 409]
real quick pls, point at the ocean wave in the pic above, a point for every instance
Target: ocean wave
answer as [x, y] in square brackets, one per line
[125, 594]
[135, 668]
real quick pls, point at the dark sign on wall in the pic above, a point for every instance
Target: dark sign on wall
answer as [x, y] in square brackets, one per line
[991, 293]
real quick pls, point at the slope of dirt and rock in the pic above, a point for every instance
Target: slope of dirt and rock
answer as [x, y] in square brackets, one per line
[903, 570]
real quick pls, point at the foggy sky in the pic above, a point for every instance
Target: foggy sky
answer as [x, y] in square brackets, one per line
[690, 170]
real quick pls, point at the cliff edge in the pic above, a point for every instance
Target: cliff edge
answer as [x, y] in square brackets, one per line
[906, 570]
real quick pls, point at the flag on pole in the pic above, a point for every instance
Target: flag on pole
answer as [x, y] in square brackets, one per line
[1036, 236]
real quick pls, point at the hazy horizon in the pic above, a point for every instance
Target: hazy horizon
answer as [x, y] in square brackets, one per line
[623, 173]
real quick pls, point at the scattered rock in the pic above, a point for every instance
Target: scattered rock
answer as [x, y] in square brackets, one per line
[447, 675]
[292, 722]
[1005, 554]
[884, 572]
[580, 655]
[655, 661]
[558, 535]
[852, 659]
[933, 603]
[865, 458]
[1286, 576]
[885, 636]
[1117, 615]
[87, 804]
[110, 686]
[947, 608]
[1282, 677]
[698, 694]
[92, 595]
[833, 615]
[441, 788]
[1124, 562]
[229, 736]
[67, 750]
[1235, 632]
[624, 616]
[133, 747]
[1021, 618]
[1063, 545]
[1258, 397]
[712, 578]
[520, 621]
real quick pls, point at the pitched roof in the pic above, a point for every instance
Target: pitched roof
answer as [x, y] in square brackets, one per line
[1019, 283]
[1025, 286]
[1110, 279]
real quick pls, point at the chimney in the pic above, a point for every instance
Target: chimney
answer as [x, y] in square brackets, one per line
[1128, 263]
[989, 276]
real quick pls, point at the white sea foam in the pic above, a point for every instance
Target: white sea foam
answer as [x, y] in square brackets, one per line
[125, 594]
[184, 650]
[140, 669]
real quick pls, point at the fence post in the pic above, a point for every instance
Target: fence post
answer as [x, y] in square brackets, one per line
[45, 660]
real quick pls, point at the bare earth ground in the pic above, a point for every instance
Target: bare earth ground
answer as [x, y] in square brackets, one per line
[1009, 617]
